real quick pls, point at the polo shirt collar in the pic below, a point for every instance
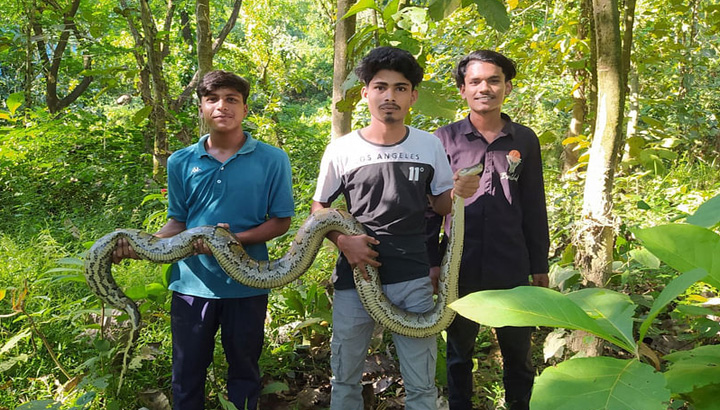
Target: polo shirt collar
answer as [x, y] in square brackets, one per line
[468, 129]
[248, 147]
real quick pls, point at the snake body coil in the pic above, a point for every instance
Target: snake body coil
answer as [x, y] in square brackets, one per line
[275, 273]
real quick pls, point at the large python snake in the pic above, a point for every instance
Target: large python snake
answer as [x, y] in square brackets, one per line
[275, 273]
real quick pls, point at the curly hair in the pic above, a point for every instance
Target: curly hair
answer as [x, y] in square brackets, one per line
[390, 58]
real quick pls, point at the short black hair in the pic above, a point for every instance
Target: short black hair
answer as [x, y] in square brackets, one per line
[488, 56]
[213, 80]
[390, 58]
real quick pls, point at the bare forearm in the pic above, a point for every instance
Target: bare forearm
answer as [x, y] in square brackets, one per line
[171, 228]
[270, 229]
[441, 204]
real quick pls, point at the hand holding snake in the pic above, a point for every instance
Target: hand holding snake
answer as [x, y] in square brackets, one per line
[269, 274]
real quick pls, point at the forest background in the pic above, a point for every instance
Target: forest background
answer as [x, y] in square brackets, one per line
[96, 94]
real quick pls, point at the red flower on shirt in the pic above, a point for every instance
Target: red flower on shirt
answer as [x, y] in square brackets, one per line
[514, 159]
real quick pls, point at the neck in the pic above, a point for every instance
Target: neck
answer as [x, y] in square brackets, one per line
[488, 124]
[226, 140]
[383, 133]
[224, 145]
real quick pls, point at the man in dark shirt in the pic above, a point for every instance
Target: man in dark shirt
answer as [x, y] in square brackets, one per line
[506, 228]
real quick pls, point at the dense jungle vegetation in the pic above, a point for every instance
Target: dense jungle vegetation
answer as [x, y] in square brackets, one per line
[94, 95]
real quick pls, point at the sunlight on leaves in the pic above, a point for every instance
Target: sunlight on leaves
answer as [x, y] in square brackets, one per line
[613, 311]
[684, 248]
[708, 214]
[673, 289]
[532, 306]
[14, 101]
[694, 368]
[600, 383]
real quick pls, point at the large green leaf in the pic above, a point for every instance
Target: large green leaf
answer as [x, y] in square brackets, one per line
[434, 100]
[14, 101]
[388, 11]
[531, 306]
[362, 5]
[672, 290]
[612, 310]
[596, 383]
[708, 214]
[692, 369]
[684, 248]
[495, 14]
[704, 398]
[439, 9]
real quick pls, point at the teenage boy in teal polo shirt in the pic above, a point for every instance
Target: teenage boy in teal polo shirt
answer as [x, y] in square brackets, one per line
[230, 179]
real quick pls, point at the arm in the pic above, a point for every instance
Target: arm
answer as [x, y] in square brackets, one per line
[270, 229]
[464, 187]
[356, 248]
[433, 226]
[535, 222]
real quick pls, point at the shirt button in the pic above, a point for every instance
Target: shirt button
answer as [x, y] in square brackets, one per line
[219, 181]
[222, 168]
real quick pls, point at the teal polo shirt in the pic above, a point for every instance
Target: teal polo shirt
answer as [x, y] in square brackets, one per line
[249, 188]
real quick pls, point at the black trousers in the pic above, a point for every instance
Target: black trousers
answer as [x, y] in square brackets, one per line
[195, 321]
[518, 371]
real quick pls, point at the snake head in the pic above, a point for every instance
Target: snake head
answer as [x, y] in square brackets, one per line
[473, 170]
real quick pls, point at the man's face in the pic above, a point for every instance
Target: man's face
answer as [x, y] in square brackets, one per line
[390, 96]
[223, 109]
[485, 87]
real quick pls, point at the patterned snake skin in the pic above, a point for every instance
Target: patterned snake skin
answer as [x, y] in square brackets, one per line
[275, 273]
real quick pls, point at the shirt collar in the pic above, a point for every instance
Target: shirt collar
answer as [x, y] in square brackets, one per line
[248, 147]
[468, 129]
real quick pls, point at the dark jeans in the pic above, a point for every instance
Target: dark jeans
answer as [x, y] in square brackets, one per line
[195, 321]
[518, 371]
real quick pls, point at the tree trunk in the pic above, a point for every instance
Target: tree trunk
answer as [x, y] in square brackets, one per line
[51, 67]
[29, 72]
[592, 96]
[344, 29]
[595, 236]
[633, 110]
[570, 155]
[204, 48]
[204, 37]
[158, 115]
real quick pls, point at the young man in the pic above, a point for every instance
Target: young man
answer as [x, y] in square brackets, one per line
[506, 228]
[231, 179]
[386, 172]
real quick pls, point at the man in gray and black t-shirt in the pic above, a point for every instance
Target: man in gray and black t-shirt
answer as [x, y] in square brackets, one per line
[387, 173]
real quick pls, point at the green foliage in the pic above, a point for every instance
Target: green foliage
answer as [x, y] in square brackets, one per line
[609, 383]
[68, 178]
[600, 383]
[685, 247]
[695, 374]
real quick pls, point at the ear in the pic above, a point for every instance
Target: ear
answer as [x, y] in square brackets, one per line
[363, 93]
[415, 95]
[508, 87]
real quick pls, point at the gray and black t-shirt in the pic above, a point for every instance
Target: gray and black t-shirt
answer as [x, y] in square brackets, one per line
[386, 188]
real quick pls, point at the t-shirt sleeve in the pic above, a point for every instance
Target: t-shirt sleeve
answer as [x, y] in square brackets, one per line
[177, 205]
[328, 182]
